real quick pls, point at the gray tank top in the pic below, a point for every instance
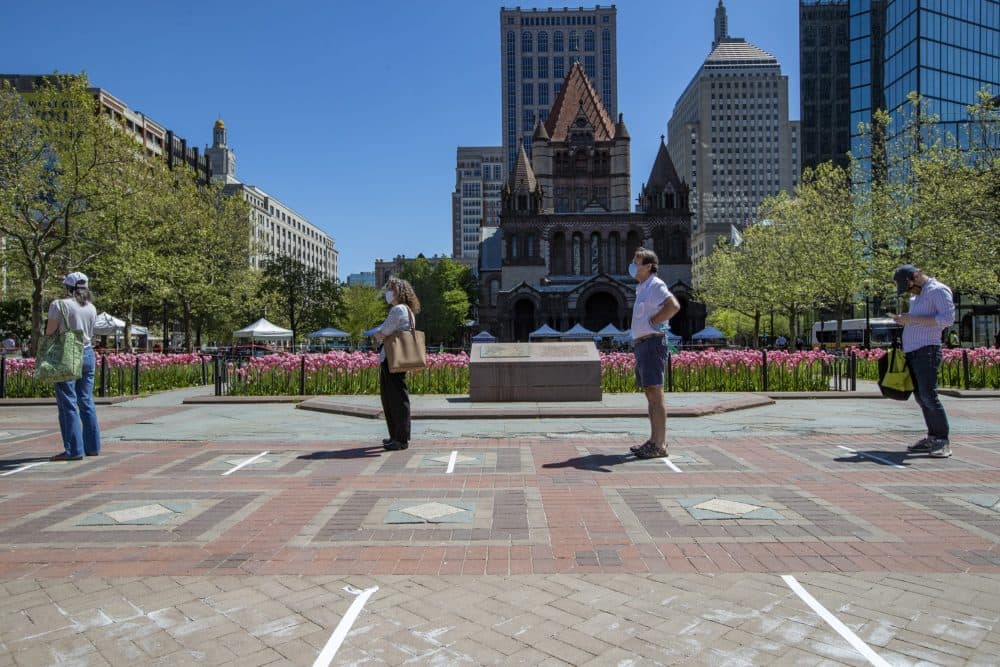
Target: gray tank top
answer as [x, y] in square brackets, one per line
[78, 317]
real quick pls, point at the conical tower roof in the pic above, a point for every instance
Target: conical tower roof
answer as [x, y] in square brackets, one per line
[663, 171]
[524, 175]
[540, 133]
[578, 94]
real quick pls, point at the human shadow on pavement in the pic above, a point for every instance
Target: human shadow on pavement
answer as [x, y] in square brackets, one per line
[592, 462]
[371, 451]
[877, 457]
[11, 464]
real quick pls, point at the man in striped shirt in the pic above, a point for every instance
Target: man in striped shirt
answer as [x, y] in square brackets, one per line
[931, 311]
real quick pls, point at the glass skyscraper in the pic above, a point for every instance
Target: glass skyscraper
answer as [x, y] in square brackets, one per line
[944, 50]
[824, 81]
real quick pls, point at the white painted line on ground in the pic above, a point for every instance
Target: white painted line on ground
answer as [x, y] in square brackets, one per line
[451, 462]
[24, 467]
[670, 464]
[835, 623]
[873, 457]
[244, 463]
[326, 656]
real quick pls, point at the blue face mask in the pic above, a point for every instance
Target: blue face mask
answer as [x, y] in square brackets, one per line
[390, 296]
[633, 269]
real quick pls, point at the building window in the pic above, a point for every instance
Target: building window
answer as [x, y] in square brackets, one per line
[574, 41]
[526, 67]
[543, 42]
[577, 254]
[526, 42]
[527, 93]
[559, 68]
[557, 41]
[588, 40]
[543, 97]
[595, 254]
[589, 66]
[530, 250]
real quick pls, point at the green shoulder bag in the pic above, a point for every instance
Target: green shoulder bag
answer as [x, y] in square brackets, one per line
[60, 356]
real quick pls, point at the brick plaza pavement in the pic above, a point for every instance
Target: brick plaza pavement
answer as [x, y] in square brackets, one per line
[501, 541]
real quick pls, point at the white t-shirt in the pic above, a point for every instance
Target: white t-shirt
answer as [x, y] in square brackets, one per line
[649, 297]
[78, 317]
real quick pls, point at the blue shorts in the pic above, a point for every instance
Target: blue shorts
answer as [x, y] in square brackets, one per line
[650, 361]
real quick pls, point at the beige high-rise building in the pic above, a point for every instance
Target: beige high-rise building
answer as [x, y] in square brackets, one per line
[730, 138]
[475, 203]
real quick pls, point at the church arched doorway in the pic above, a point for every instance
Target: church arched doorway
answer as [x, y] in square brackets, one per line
[600, 309]
[524, 319]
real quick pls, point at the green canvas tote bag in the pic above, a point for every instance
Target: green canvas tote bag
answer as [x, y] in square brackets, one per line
[60, 356]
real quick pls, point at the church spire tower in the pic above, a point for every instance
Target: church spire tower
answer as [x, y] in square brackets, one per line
[721, 25]
[221, 158]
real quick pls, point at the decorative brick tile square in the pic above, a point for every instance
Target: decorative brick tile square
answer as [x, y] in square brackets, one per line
[468, 460]
[15, 434]
[422, 517]
[737, 514]
[847, 457]
[215, 463]
[607, 458]
[136, 518]
[974, 508]
[35, 465]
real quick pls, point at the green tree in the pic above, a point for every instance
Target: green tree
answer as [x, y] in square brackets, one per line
[446, 291]
[301, 292]
[62, 166]
[361, 308]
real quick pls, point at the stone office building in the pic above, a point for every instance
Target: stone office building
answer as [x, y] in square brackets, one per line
[566, 236]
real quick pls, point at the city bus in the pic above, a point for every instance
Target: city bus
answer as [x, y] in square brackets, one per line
[852, 334]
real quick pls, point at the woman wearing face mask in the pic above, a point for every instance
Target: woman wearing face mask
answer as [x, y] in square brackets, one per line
[404, 305]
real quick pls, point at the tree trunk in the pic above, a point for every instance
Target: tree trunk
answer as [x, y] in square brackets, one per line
[37, 286]
[186, 305]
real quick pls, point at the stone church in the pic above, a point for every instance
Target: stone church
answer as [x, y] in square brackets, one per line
[566, 237]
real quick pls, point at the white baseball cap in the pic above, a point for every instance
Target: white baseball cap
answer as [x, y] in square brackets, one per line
[75, 279]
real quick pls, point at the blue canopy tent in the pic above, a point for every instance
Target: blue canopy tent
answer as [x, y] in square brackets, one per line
[578, 332]
[544, 331]
[484, 337]
[328, 332]
[610, 331]
[709, 334]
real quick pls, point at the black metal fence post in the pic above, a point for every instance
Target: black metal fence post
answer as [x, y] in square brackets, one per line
[853, 370]
[217, 375]
[3, 376]
[965, 369]
[204, 371]
[135, 377]
[302, 375]
[670, 372]
[102, 388]
[763, 369]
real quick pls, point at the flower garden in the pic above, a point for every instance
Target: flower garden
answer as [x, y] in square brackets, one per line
[340, 372]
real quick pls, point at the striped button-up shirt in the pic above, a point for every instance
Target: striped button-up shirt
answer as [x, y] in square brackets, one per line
[934, 301]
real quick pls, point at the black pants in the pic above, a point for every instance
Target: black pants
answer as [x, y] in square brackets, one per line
[395, 403]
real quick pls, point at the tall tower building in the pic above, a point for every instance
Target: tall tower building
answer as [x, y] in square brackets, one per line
[537, 50]
[824, 81]
[944, 51]
[730, 138]
[221, 158]
[475, 203]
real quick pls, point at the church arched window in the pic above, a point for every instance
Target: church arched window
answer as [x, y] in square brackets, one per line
[595, 254]
[577, 254]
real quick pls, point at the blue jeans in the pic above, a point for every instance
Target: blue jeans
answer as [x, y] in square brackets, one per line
[924, 363]
[77, 414]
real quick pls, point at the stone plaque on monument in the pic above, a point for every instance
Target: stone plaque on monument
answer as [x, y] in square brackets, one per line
[507, 372]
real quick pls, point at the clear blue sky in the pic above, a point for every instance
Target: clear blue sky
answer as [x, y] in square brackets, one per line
[350, 112]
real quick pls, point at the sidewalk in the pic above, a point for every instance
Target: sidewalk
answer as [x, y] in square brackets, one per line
[226, 533]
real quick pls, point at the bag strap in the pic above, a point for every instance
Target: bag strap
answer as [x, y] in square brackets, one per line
[63, 316]
[413, 324]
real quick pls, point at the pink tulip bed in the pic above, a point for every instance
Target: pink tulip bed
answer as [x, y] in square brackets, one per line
[984, 366]
[157, 372]
[339, 372]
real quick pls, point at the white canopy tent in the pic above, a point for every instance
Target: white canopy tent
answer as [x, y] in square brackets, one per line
[107, 324]
[263, 330]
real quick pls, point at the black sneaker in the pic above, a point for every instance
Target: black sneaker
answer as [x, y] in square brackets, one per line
[395, 446]
[386, 441]
[922, 446]
[651, 450]
[940, 448]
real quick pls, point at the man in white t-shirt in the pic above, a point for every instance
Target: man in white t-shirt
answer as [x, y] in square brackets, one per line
[654, 306]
